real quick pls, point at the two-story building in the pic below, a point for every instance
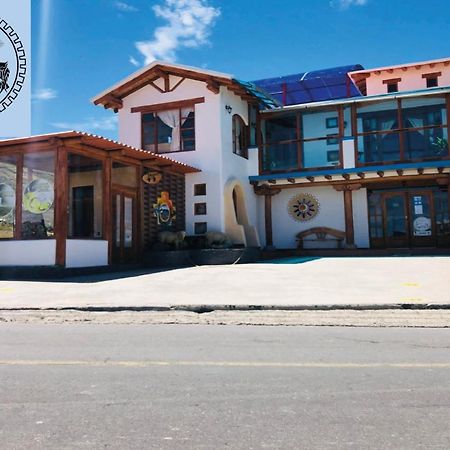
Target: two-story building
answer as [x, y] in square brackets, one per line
[337, 158]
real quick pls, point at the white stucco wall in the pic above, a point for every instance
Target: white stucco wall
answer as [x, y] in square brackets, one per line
[331, 215]
[28, 253]
[86, 253]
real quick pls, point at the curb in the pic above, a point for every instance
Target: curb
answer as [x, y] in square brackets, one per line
[201, 309]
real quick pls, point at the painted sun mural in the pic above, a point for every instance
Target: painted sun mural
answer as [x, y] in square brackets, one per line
[303, 207]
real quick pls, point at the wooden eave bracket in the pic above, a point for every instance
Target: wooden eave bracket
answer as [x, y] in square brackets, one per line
[213, 86]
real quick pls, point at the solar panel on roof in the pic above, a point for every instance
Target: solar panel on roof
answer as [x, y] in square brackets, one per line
[307, 87]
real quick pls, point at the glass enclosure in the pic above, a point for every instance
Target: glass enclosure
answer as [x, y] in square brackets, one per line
[407, 129]
[38, 195]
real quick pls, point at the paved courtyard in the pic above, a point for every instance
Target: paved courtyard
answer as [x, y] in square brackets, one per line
[322, 281]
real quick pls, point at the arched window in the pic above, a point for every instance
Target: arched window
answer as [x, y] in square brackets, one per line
[240, 136]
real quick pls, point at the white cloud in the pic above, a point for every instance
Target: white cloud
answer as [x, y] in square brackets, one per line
[125, 7]
[134, 61]
[44, 94]
[344, 4]
[189, 24]
[89, 124]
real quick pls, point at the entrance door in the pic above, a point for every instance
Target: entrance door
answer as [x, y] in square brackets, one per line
[124, 227]
[421, 216]
[396, 230]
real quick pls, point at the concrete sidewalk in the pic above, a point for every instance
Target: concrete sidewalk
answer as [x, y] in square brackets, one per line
[319, 283]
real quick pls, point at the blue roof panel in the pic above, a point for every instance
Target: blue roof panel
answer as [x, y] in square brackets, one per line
[315, 86]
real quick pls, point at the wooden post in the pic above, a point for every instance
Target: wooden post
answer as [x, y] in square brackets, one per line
[268, 219]
[347, 189]
[61, 195]
[349, 226]
[107, 206]
[19, 196]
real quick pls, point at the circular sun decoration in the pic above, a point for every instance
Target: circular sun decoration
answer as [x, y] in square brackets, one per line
[303, 207]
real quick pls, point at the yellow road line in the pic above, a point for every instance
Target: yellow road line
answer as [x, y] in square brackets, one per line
[301, 365]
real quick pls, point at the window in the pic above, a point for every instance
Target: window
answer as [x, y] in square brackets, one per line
[407, 129]
[85, 219]
[392, 87]
[200, 209]
[240, 137]
[432, 79]
[392, 84]
[200, 227]
[332, 122]
[8, 177]
[169, 131]
[199, 189]
[38, 210]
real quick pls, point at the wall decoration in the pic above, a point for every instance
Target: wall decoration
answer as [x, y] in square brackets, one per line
[164, 210]
[303, 207]
[38, 196]
[152, 178]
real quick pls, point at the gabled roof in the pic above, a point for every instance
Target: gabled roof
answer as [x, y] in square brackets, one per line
[108, 145]
[315, 86]
[112, 97]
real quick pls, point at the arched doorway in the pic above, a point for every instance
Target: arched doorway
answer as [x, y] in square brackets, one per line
[237, 224]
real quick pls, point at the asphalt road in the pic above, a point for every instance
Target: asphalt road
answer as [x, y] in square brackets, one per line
[214, 387]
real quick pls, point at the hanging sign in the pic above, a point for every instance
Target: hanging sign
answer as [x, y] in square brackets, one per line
[152, 178]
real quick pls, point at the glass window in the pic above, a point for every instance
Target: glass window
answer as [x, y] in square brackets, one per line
[379, 147]
[280, 156]
[38, 209]
[200, 189]
[85, 197]
[169, 131]
[282, 128]
[319, 123]
[8, 176]
[200, 227]
[432, 82]
[124, 175]
[392, 87]
[380, 116]
[240, 145]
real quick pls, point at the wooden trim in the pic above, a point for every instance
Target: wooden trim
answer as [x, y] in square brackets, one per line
[447, 104]
[341, 134]
[432, 75]
[401, 137]
[348, 212]
[177, 84]
[61, 200]
[392, 81]
[167, 106]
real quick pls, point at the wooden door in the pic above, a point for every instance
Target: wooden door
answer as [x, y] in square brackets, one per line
[395, 220]
[124, 227]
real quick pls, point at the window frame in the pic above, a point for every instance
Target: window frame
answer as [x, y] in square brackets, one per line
[401, 131]
[155, 131]
[242, 152]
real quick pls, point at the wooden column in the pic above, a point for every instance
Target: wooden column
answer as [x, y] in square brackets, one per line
[347, 190]
[61, 199]
[268, 219]
[349, 226]
[268, 193]
[107, 206]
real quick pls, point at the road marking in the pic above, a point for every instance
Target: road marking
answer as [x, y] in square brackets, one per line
[304, 365]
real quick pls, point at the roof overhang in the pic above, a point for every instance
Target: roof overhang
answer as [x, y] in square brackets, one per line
[112, 97]
[99, 143]
[359, 175]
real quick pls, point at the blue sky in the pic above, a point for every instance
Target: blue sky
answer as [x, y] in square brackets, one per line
[81, 47]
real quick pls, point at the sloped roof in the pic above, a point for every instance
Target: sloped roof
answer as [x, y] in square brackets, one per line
[315, 86]
[112, 97]
[108, 145]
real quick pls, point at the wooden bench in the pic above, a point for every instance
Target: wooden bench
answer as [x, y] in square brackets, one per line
[322, 234]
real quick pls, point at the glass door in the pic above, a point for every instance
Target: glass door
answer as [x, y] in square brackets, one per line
[124, 227]
[396, 230]
[421, 217]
